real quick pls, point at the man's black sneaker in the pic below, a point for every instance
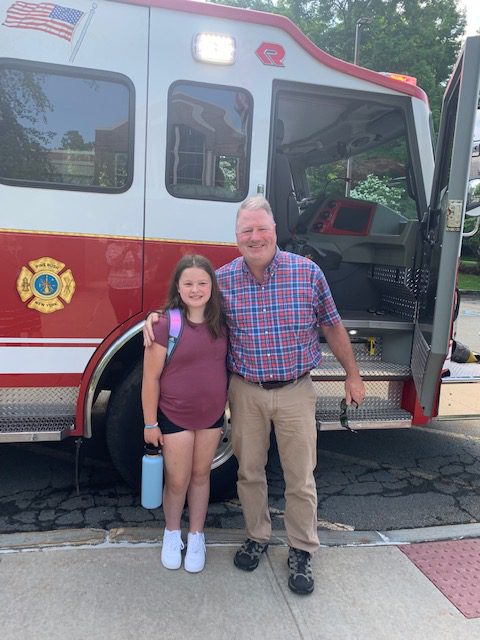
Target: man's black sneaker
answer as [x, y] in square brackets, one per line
[300, 579]
[248, 556]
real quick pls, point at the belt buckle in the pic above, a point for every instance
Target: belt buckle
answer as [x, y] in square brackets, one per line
[274, 384]
[264, 384]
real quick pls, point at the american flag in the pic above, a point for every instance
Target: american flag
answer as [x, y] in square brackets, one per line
[44, 16]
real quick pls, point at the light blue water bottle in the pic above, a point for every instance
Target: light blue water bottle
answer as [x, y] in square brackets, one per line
[152, 477]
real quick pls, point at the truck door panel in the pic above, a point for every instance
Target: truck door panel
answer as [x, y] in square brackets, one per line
[443, 223]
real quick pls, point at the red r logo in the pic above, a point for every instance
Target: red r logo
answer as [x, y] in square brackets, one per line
[271, 54]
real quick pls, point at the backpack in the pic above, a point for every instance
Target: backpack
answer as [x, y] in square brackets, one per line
[175, 328]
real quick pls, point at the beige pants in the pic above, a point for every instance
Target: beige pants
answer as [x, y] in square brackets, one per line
[292, 411]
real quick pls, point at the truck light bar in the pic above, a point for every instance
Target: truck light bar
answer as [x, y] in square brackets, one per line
[215, 48]
[401, 77]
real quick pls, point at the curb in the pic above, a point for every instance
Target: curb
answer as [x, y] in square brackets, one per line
[145, 536]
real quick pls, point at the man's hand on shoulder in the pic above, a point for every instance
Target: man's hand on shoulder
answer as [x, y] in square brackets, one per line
[148, 336]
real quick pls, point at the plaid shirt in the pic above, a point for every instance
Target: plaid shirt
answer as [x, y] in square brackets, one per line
[273, 325]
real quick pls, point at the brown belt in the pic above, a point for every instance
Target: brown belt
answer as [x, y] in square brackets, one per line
[268, 385]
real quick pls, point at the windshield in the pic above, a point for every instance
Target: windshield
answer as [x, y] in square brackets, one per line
[347, 146]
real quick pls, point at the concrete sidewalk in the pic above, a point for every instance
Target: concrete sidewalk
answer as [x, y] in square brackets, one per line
[88, 585]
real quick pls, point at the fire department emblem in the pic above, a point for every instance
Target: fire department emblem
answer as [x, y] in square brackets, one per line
[45, 283]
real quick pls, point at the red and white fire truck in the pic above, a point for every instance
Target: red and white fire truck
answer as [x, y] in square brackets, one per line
[129, 134]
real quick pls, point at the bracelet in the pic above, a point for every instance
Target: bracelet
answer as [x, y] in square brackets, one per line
[151, 426]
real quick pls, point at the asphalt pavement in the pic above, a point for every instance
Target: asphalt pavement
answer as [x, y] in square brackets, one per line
[389, 479]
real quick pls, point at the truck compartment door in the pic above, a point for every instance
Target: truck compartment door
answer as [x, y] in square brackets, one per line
[443, 223]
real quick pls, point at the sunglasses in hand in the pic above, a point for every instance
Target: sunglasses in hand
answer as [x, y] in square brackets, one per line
[344, 416]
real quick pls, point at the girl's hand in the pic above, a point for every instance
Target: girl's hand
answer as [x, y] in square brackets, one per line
[153, 436]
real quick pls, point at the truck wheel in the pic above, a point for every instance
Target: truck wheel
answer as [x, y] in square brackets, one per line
[223, 479]
[124, 427]
[124, 433]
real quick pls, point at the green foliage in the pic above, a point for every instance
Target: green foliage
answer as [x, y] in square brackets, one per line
[74, 140]
[229, 171]
[329, 177]
[420, 39]
[471, 246]
[470, 266]
[378, 189]
[468, 282]
[23, 104]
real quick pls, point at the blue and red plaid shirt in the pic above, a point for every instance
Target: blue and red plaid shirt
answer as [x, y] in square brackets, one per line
[273, 325]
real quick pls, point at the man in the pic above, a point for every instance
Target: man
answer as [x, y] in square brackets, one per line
[274, 303]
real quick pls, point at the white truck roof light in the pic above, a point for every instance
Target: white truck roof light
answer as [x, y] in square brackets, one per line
[215, 48]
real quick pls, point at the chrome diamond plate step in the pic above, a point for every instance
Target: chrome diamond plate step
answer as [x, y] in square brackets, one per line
[375, 370]
[368, 355]
[33, 413]
[381, 410]
[35, 429]
[379, 394]
[364, 418]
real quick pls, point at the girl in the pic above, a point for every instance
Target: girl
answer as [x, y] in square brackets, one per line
[184, 403]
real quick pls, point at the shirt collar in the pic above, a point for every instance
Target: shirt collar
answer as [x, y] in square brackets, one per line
[269, 271]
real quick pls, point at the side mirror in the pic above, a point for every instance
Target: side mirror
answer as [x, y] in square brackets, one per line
[473, 197]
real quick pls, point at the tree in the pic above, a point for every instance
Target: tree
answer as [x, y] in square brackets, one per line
[378, 190]
[420, 39]
[74, 140]
[23, 105]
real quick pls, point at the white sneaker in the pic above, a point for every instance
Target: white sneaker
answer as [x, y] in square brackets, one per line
[172, 546]
[195, 556]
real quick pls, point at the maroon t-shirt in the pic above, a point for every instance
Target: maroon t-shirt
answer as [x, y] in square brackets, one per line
[193, 385]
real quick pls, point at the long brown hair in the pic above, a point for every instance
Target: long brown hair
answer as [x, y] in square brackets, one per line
[214, 316]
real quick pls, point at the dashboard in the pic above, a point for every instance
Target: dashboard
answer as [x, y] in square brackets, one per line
[343, 217]
[339, 230]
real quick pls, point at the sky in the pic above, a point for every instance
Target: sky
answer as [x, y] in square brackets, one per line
[473, 15]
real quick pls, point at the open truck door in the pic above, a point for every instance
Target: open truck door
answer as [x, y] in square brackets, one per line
[442, 226]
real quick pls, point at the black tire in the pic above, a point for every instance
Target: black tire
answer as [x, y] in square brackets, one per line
[124, 434]
[124, 427]
[223, 481]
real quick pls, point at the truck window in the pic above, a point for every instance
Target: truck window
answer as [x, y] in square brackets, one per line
[208, 141]
[379, 174]
[65, 128]
[339, 145]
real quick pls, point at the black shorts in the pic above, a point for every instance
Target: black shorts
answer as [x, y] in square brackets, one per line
[167, 426]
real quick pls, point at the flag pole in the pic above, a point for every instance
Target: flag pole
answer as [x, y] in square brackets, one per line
[83, 32]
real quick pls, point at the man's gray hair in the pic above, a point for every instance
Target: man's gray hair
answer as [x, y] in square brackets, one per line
[255, 204]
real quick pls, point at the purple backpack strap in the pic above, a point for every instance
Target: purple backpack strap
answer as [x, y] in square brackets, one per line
[175, 327]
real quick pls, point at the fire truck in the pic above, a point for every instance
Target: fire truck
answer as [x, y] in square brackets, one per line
[131, 131]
